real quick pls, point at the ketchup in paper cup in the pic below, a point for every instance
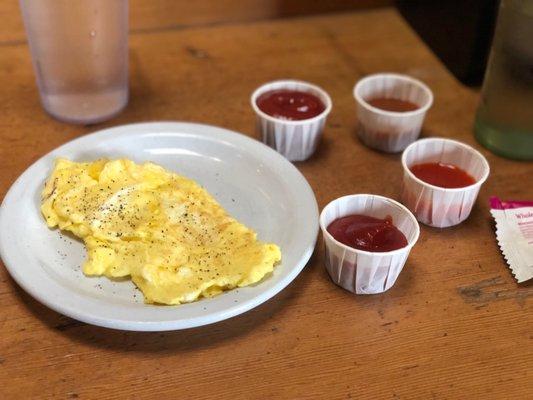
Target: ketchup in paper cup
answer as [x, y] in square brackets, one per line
[291, 116]
[361, 271]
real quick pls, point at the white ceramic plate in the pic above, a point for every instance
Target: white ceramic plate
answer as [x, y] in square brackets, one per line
[253, 182]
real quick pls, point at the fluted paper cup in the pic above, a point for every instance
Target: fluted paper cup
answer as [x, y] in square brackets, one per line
[295, 140]
[359, 271]
[390, 131]
[434, 205]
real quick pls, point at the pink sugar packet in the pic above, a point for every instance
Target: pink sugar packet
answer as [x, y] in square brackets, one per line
[514, 232]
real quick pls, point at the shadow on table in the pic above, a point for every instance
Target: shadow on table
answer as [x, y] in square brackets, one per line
[171, 341]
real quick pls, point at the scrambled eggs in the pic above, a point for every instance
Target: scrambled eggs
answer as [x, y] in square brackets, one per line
[161, 229]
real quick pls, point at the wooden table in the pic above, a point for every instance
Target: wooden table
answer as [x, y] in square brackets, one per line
[455, 326]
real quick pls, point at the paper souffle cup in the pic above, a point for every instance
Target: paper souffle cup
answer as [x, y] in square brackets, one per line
[434, 205]
[295, 140]
[390, 131]
[359, 271]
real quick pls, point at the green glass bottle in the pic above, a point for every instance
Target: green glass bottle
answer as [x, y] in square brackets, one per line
[504, 120]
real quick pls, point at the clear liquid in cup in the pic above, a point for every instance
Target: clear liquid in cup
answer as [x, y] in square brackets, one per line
[80, 56]
[504, 121]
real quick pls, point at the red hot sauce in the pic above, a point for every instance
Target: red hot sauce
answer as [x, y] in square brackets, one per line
[367, 233]
[443, 175]
[290, 104]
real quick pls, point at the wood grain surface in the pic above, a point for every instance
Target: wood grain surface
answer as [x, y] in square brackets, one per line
[177, 14]
[455, 326]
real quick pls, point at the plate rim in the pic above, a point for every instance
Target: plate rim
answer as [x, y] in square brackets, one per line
[10, 261]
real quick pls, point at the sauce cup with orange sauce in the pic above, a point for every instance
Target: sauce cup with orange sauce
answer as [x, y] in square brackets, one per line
[360, 271]
[445, 205]
[390, 110]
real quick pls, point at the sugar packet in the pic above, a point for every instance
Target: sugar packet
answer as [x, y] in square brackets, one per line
[514, 232]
